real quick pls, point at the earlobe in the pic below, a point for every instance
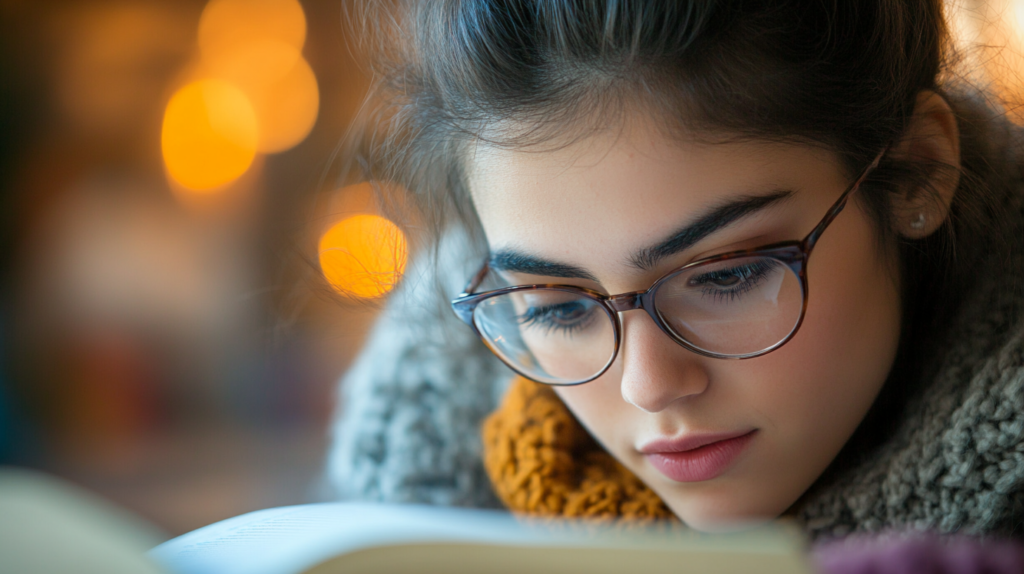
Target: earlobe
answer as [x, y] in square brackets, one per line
[932, 138]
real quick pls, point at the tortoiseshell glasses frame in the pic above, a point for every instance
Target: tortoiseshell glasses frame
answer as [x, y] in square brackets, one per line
[793, 254]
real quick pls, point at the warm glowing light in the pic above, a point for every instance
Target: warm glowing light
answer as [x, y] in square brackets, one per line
[287, 109]
[1000, 24]
[228, 23]
[279, 83]
[363, 255]
[209, 135]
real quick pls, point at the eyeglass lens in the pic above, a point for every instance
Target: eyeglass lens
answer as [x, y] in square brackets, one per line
[730, 308]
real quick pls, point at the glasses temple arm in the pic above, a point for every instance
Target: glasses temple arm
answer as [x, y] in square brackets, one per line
[840, 203]
[477, 279]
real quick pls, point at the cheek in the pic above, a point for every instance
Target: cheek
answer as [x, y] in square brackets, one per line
[611, 421]
[598, 405]
[814, 391]
[851, 330]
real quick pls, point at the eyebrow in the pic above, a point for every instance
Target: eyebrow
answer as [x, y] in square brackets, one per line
[712, 221]
[519, 262]
[512, 260]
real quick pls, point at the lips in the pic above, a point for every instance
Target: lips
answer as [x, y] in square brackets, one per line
[697, 458]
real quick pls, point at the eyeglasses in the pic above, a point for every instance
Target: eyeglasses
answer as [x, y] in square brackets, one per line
[735, 305]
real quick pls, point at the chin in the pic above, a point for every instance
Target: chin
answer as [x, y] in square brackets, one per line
[709, 515]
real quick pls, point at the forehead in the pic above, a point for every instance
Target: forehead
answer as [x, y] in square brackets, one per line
[599, 198]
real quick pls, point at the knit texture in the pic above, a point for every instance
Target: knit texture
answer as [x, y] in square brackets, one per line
[956, 460]
[542, 462]
[408, 428]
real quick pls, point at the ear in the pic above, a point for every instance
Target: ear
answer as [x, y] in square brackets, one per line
[932, 137]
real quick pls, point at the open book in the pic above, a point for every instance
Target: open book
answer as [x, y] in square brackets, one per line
[344, 538]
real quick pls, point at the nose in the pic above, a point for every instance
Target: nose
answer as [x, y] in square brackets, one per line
[656, 371]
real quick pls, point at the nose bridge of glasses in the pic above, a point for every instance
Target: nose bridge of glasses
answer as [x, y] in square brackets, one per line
[626, 301]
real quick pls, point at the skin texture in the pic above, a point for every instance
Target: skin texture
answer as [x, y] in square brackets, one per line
[595, 202]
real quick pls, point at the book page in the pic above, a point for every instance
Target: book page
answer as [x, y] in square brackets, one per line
[447, 558]
[354, 537]
[290, 539]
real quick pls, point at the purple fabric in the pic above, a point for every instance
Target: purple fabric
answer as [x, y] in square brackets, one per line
[904, 554]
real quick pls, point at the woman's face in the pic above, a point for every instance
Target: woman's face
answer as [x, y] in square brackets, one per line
[775, 421]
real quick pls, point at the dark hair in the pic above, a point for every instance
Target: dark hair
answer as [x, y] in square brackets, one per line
[842, 74]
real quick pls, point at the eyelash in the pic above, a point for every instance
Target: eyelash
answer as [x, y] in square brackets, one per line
[750, 276]
[541, 317]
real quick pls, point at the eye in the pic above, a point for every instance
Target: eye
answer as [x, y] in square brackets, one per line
[732, 282]
[568, 316]
[727, 281]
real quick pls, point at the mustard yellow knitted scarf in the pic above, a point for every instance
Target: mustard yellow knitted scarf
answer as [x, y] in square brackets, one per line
[542, 462]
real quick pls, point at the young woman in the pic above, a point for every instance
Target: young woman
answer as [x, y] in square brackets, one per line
[746, 259]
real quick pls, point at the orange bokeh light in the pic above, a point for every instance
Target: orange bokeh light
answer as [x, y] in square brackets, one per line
[279, 83]
[228, 23]
[363, 255]
[209, 135]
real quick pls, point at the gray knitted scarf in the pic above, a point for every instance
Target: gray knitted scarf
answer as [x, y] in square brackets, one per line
[408, 430]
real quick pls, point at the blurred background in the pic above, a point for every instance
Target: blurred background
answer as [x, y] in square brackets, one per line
[158, 157]
[168, 334]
